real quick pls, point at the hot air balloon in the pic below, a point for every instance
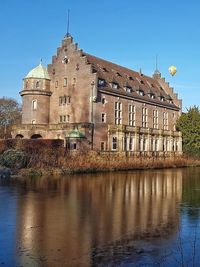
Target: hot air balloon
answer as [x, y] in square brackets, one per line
[172, 70]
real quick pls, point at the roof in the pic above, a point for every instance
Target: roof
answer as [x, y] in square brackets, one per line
[124, 77]
[40, 72]
[75, 134]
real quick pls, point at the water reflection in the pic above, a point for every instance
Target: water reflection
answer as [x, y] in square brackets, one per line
[82, 220]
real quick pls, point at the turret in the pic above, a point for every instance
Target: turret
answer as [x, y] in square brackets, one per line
[36, 96]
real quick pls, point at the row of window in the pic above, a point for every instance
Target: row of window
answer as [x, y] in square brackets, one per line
[128, 144]
[132, 116]
[63, 100]
[128, 89]
[64, 118]
[65, 82]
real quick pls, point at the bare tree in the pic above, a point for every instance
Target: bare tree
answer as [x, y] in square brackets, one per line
[10, 114]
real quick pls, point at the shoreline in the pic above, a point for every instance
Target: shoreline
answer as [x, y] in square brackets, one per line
[55, 171]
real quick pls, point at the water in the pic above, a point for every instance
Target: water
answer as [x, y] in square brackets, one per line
[138, 218]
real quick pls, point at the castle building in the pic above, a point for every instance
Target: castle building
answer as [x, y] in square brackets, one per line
[92, 103]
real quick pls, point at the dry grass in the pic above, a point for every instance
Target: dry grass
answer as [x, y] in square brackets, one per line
[92, 162]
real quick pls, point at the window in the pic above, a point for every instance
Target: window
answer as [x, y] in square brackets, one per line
[74, 146]
[63, 100]
[101, 82]
[64, 118]
[102, 146]
[131, 115]
[128, 89]
[115, 85]
[141, 93]
[118, 113]
[165, 120]
[151, 95]
[34, 104]
[155, 119]
[144, 117]
[65, 82]
[74, 82]
[131, 143]
[37, 84]
[114, 143]
[56, 84]
[103, 101]
[33, 121]
[103, 117]
[118, 74]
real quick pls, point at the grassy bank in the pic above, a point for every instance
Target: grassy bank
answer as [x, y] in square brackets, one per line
[93, 162]
[39, 161]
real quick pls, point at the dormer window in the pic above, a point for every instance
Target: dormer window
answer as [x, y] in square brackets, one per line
[115, 85]
[142, 82]
[151, 95]
[118, 74]
[101, 82]
[128, 89]
[171, 101]
[141, 92]
[162, 98]
[104, 70]
[130, 78]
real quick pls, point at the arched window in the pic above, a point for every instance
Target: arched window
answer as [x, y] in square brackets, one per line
[33, 121]
[34, 104]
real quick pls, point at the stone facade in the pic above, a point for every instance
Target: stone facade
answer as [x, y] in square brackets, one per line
[95, 104]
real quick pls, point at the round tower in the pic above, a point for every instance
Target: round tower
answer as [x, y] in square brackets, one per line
[36, 96]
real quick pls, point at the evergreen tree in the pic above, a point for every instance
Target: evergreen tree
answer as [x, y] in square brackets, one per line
[189, 125]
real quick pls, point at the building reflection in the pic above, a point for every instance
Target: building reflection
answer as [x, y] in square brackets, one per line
[63, 221]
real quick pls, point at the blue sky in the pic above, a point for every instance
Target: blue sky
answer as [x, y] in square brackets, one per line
[127, 32]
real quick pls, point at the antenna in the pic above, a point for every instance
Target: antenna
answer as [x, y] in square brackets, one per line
[68, 13]
[156, 62]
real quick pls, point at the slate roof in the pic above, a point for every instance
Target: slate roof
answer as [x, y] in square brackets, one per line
[113, 73]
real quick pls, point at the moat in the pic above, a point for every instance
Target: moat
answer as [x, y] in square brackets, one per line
[136, 218]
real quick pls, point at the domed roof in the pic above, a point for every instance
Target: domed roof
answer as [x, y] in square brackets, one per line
[40, 72]
[75, 134]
